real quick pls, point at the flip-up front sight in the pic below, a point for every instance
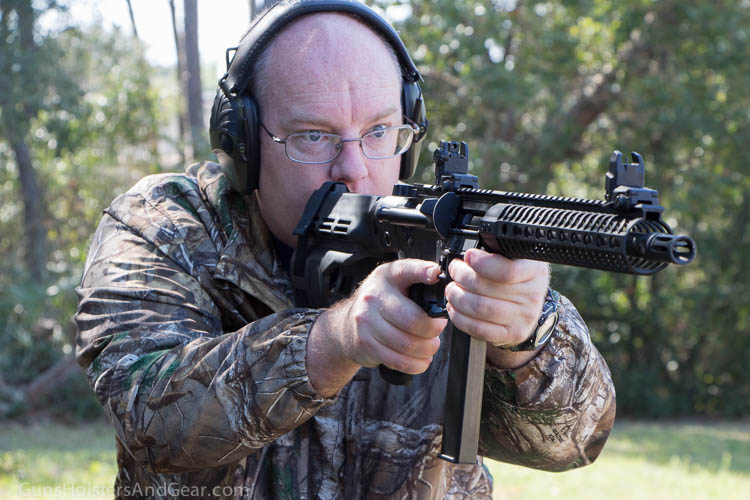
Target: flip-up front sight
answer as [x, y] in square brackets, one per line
[624, 186]
[452, 157]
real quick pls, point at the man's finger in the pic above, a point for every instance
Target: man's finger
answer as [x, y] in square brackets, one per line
[407, 344]
[406, 272]
[493, 333]
[470, 280]
[502, 269]
[410, 318]
[480, 306]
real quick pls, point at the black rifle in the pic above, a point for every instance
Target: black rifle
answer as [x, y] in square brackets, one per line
[343, 236]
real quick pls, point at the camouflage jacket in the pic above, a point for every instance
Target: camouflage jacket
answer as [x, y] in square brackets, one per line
[189, 337]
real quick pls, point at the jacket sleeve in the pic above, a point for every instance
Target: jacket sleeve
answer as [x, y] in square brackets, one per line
[182, 393]
[554, 413]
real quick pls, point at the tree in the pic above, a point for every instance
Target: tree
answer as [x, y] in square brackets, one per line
[82, 103]
[190, 112]
[193, 78]
[132, 19]
[22, 79]
[182, 120]
[544, 91]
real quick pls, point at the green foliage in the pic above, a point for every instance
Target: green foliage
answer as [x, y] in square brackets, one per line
[33, 336]
[543, 91]
[95, 134]
[86, 99]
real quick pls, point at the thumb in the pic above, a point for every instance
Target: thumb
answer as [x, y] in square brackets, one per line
[406, 272]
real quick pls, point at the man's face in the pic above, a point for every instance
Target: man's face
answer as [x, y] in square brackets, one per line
[331, 74]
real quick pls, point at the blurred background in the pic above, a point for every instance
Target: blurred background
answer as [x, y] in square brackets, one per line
[95, 95]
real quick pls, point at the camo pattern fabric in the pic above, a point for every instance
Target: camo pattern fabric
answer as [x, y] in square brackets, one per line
[190, 339]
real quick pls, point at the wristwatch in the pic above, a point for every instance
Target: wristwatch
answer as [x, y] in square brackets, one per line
[545, 325]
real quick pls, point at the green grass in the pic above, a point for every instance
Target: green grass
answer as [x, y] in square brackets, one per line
[57, 461]
[646, 461]
[640, 461]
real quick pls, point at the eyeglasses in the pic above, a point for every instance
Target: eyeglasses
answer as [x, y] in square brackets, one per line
[314, 147]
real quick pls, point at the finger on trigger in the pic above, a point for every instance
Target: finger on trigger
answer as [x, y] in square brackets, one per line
[405, 272]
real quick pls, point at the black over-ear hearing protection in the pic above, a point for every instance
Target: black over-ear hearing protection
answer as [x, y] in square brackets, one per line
[234, 128]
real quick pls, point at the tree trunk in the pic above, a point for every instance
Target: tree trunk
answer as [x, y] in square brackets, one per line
[194, 97]
[33, 215]
[132, 19]
[35, 235]
[181, 116]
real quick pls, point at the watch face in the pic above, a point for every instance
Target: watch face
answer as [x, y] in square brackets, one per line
[546, 328]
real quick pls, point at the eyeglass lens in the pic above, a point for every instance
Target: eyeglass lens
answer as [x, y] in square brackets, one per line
[318, 147]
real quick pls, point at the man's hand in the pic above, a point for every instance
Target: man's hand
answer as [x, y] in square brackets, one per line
[378, 324]
[497, 299]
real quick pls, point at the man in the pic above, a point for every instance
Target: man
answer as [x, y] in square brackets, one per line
[218, 387]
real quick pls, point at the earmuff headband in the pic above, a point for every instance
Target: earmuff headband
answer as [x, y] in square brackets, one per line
[238, 75]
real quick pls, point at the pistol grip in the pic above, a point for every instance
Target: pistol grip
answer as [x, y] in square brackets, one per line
[394, 377]
[431, 298]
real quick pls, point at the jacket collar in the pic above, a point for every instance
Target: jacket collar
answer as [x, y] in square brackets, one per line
[246, 256]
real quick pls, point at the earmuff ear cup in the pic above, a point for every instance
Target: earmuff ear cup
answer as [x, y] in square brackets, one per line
[250, 120]
[413, 107]
[233, 130]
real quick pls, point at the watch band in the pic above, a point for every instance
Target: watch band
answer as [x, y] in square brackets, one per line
[545, 326]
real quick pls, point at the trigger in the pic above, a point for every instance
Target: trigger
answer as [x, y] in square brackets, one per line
[436, 311]
[436, 307]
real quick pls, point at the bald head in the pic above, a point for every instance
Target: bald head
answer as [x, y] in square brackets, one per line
[326, 74]
[334, 41]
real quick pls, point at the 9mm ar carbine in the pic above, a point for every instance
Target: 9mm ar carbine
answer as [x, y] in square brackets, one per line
[343, 236]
